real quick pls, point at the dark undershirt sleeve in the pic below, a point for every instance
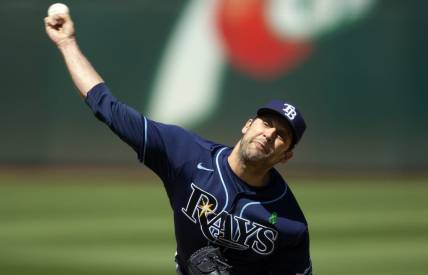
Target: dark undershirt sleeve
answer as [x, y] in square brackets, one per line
[123, 120]
[293, 260]
[163, 148]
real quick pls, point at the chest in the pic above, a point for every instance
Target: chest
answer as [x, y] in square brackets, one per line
[217, 209]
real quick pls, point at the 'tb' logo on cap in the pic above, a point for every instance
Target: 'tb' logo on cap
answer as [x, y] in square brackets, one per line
[289, 111]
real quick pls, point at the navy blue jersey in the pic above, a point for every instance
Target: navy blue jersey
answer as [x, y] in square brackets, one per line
[259, 230]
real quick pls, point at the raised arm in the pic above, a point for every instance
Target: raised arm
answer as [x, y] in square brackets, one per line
[60, 30]
[125, 121]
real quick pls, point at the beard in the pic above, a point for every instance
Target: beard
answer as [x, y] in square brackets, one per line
[252, 155]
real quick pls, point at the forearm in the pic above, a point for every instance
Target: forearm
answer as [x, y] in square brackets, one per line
[82, 72]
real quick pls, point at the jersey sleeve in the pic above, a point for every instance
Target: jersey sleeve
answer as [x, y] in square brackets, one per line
[123, 120]
[293, 260]
[163, 148]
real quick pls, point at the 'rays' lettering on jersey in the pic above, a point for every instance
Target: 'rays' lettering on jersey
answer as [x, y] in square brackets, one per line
[227, 229]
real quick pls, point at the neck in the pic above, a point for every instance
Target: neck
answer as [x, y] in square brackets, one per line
[254, 174]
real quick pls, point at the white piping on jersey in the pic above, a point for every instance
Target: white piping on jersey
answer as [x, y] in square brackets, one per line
[145, 139]
[250, 203]
[309, 269]
[265, 202]
[221, 177]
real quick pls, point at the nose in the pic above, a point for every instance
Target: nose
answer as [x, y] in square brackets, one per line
[270, 134]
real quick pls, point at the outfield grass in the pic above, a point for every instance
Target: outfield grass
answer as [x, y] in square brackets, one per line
[101, 227]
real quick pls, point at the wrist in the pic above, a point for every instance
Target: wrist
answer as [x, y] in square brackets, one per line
[66, 43]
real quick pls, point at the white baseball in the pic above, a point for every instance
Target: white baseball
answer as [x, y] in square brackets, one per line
[58, 8]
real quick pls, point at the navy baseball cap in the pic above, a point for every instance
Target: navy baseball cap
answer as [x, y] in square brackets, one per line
[290, 113]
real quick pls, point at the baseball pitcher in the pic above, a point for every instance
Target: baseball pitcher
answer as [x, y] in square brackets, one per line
[233, 212]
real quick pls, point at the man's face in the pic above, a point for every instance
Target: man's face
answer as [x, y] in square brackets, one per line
[266, 138]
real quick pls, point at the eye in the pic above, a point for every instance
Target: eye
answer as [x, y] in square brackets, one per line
[282, 135]
[267, 123]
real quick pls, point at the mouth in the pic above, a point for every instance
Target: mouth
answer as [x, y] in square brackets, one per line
[262, 146]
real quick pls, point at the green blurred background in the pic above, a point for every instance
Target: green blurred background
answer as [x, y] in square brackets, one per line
[74, 200]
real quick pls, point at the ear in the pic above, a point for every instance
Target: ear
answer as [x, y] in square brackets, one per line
[246, 126]
[288, 156]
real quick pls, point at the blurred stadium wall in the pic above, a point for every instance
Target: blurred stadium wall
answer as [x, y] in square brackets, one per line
[357, 70]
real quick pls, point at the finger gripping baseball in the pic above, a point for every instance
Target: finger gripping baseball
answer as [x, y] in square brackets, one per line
[208, 261]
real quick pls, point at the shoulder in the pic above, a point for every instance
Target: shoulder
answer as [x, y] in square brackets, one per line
[179, 134]
[179, 145]
[289, 207]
